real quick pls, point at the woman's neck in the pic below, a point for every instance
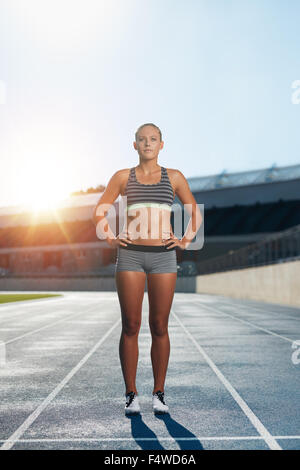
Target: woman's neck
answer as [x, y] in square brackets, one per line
[148, 167]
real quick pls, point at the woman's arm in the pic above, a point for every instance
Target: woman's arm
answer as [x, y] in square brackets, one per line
[109, 196]
[182, 190]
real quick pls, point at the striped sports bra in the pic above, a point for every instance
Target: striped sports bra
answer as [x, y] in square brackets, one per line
[149, 195]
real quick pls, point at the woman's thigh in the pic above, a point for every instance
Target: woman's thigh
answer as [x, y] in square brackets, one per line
[129, 260]
[161, 288]
[130, 287]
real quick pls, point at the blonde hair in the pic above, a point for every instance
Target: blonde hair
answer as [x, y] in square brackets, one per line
[148, 124]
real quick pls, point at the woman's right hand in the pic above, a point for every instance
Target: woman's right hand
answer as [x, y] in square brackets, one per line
[121, 240]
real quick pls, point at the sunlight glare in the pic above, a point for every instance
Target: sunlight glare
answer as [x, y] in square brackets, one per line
[42, 188]
[66, 24]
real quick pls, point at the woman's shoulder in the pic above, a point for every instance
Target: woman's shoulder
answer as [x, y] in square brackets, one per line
[176, 178]
[121, 174]
[174, 173]
[121, 178]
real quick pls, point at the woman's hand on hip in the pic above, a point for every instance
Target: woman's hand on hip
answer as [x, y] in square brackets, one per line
[121, 240]
[174, 241]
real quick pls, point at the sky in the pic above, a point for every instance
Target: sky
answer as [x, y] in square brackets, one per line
[77, 78]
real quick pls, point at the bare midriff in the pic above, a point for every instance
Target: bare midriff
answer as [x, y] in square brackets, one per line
[148, 225]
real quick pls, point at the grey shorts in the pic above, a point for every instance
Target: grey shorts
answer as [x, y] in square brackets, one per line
[148, 259]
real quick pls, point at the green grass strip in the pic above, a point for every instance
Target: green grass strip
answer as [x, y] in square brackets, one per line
[16, 297]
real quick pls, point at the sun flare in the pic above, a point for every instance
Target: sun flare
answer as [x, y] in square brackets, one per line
[43, 189]
[44, 202]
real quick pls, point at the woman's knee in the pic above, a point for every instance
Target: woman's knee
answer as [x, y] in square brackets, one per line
[131, 327]
[158, 328]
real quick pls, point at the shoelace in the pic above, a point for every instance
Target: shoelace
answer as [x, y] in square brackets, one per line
[160, 396]
[131, 396]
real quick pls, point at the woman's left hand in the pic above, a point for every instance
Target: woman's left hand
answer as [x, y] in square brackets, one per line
[174, 241]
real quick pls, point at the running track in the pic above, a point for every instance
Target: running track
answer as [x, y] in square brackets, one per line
[231, 381]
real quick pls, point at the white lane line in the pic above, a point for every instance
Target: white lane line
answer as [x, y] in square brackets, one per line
[6, 306]
[96, 299]
[66, 318]
[215, 309]
[261, 310]
[265, 306]
[8, 443]
[22, 312]
[132, 439]
[261, 429]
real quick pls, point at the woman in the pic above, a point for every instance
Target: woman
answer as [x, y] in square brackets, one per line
[150, 251]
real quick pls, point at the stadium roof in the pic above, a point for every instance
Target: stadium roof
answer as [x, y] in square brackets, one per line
[197, 184]
[243, 178]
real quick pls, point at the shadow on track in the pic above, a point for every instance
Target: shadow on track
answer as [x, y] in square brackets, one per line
[141, 431]
[180, 433]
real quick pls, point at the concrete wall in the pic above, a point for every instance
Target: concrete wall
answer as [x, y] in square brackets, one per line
[277, 283]
[183, 284]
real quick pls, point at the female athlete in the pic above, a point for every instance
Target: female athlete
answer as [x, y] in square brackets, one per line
[147, 247]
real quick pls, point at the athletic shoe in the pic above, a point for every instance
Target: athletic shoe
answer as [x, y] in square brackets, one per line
[158, 403]
[132, 404]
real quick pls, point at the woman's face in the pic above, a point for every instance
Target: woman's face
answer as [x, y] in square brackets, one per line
[148, 142]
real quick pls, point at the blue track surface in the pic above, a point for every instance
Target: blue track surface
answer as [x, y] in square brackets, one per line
[231, 381]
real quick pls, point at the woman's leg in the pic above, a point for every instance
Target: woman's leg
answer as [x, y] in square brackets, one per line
[161, 289]
[130, 287]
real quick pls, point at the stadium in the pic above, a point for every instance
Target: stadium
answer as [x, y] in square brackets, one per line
[60, 249]
[88, 332]
[233, 323]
